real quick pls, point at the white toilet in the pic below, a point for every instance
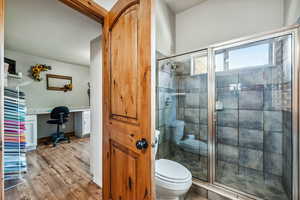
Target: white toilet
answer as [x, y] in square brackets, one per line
[172, 179]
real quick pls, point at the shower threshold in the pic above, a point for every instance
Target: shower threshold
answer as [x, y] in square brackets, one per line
[263, 191]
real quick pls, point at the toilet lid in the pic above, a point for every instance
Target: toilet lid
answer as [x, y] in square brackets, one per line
[171, 171]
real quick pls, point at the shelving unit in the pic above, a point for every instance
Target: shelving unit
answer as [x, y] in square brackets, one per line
[14, 138]
[15, 76]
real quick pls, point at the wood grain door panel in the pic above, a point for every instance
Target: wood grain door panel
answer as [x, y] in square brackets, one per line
[124, 64]
[125, 166]
[129, 86]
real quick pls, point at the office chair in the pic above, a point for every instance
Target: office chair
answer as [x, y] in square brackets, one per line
[59, 116]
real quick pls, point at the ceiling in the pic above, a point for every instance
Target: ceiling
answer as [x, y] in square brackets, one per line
[49, 29]
[178, 6]
[107, 4]
[175, 5]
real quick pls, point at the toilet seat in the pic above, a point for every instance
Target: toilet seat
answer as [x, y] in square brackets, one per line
[171, 172]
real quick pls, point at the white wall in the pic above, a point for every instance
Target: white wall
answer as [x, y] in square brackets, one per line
[165, 29]
[37, 95]
[292, 11]
[218, 20]
[96, 110]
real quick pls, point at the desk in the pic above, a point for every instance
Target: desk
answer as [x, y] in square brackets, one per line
[41, 111]
[82, 123]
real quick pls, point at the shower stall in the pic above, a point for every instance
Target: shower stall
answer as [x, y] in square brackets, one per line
[229, 113]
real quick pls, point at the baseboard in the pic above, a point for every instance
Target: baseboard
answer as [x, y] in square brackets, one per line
[47, 139]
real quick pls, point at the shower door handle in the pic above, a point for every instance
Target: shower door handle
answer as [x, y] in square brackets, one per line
[142, 144]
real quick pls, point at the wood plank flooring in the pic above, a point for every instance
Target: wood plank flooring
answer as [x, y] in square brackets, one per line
[60, 173]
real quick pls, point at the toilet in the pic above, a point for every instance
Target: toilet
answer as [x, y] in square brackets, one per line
[172, 179]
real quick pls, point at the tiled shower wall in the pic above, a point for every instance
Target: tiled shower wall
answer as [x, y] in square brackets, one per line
[192, 104]
[192, 109]
[249, 127]
[166, 106]
[254, 128]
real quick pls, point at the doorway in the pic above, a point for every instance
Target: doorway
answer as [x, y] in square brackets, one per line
[37, 162]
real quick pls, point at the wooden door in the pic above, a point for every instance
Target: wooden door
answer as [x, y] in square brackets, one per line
[128, 101]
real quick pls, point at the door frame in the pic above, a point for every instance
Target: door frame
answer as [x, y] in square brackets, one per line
[86, 7]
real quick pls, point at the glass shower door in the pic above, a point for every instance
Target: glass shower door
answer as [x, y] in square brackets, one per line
[182, 111]
[253, 125]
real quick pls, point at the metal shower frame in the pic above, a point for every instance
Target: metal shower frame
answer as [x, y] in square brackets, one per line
[212, 184]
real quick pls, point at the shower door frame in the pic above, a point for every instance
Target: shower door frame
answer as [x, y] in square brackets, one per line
[213, 184]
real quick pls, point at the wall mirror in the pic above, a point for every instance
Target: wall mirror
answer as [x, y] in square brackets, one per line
[59, 83]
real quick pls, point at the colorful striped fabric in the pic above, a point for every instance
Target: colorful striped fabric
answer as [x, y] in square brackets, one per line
[14, 135]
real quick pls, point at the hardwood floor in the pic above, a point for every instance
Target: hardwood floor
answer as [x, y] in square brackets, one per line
[60, 173]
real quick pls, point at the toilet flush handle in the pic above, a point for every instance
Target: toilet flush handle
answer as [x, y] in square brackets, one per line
[142, 144]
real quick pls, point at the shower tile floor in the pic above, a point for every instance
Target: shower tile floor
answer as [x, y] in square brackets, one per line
[197, 164]
[267, 189]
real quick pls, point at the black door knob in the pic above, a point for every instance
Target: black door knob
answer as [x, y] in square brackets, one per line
[142, 144]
